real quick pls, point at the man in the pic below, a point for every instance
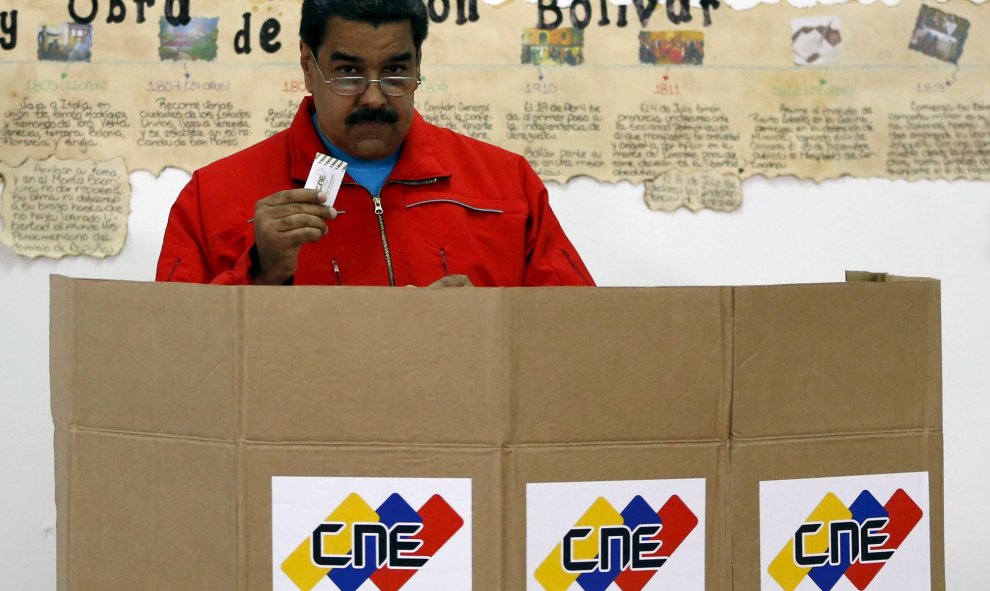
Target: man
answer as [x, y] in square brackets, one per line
[419, 203]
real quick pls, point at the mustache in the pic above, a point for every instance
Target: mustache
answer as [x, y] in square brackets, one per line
[381, 115]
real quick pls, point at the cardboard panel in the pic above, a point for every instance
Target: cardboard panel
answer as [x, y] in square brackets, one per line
[145, 358]
[620, 364]
[827, 457]
[62, 350]
[150, 514]
[372, 365]
[605, 463]
[843, 358]
[175, 405]
[63, 445]
[480, 464]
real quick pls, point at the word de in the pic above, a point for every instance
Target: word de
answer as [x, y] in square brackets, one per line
[439, 12]
[266, 37]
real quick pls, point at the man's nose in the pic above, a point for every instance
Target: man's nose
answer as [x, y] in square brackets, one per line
[373, 96]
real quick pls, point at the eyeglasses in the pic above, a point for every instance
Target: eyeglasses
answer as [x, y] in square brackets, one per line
[357, 85]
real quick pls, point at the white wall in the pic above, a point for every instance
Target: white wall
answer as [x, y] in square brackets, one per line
[787, 232]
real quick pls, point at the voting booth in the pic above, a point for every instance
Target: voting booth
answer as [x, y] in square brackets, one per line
[297, 438]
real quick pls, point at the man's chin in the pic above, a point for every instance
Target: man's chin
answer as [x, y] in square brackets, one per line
[372, 149]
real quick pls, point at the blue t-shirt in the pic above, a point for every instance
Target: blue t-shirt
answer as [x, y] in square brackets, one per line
[370, 174]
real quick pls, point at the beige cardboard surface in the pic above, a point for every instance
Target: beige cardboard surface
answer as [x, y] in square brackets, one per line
[138, 378]
[643, 461]
[869, 349]
[261, 462]
[667, 345]
[753, 462]
[429, 354]
[175, 405]
[149, 513]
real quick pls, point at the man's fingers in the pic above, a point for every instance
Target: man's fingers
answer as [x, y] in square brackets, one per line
[301, 220]
[283, 222]
[295, 196]
[292, 239]
[300, 236]
[292, 209]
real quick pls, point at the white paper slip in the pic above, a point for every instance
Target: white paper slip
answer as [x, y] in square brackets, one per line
[326, 175]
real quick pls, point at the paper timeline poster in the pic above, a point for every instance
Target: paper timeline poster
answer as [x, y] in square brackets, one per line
[350, 534]
[865, 533]
[611, 535]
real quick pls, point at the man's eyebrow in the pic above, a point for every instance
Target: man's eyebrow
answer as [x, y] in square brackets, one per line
[340, 56]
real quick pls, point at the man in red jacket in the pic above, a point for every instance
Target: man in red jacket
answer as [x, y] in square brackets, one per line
[419, 203]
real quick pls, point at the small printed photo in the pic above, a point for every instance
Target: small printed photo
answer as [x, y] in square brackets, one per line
[816, 40]
[194, 41]
[65, 42]
[939, 34]
[562, 47]
[668, 47]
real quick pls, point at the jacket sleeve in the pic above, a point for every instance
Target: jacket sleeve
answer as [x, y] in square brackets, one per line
[189, 255]
[551, 258]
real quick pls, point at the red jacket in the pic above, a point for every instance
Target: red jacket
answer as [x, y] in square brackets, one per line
[452, 205]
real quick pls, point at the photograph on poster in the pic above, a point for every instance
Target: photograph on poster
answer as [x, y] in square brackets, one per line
[194, 41]
[672, 47]
[816, 40]
[939, 34]
[564, 46]
[65, 42]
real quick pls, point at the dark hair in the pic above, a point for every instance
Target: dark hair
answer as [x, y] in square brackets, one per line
[317, 13]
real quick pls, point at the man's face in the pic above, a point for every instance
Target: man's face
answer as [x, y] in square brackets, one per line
[370, 125]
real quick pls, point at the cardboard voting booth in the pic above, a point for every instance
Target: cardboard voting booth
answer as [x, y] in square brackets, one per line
[716, 438]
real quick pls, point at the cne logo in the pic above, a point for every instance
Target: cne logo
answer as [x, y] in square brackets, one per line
[386, 545]
[625, 547]
[837, 541]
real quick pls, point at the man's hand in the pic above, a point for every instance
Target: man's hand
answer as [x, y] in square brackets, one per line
[283, 222]
[452, 281]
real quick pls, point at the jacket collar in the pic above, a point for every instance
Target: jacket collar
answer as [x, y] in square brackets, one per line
[419, 161]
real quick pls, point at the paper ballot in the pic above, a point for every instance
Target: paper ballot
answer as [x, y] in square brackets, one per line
[326, 175]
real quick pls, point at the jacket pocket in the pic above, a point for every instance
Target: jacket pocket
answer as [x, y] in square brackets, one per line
[456, 235]
[463, 204]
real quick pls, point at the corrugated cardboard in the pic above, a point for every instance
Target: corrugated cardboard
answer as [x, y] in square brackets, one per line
[833, 380]
[175, 405]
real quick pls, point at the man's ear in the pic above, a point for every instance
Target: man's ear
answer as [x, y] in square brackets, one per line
[306, 57]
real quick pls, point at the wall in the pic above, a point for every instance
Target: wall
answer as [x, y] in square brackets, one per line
[787, 232]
